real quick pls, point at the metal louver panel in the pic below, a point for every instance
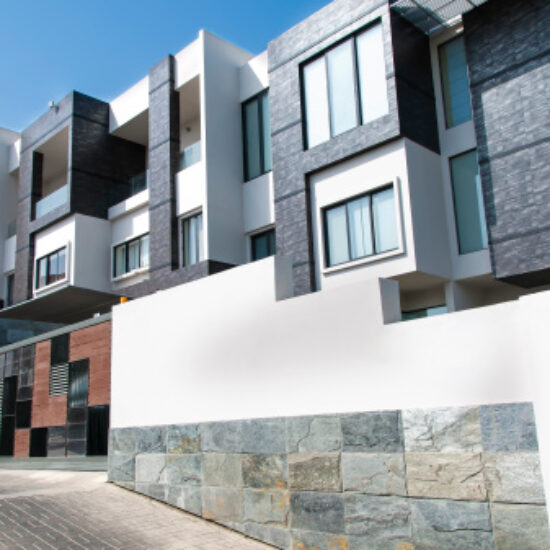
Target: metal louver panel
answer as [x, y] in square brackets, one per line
[59, 379]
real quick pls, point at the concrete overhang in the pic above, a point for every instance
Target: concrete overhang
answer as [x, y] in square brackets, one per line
[431, 16]
[66, 305]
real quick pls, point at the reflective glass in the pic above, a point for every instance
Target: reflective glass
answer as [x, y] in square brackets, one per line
[316, 102]
[144, 251]
[133, 255]
[454, 82]
[468, 201]
[42, 272]
[337, 235]
[385, 228]
[120, 260]
[360, 231]
[372, 74]
[341, 79]
[252, 132]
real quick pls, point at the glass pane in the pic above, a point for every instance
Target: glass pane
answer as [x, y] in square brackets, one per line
[78, 384]
[61, 261]
[263, 245]
[144, 251]
[252, 144]
[266, 133]
[360, 232]
[343, 109]
[192, 240]
[52, 268]
[133, 255]
[372, 74]
[337, 235]
[316, 102]
[42, 272]
[468, 202]
[385, 228]
[454, 82]
[200, 255]
[120, 260]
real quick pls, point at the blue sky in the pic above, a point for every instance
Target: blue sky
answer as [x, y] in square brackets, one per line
[102, 47]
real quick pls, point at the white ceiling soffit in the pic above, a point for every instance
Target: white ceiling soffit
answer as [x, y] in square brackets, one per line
[433, 15]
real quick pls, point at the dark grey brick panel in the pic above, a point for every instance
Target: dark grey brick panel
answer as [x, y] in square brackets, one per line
[508, 49]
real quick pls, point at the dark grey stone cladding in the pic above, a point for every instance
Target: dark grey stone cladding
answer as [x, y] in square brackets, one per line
[100, 166]
[451, 478]
[408, 74]
[508, 50]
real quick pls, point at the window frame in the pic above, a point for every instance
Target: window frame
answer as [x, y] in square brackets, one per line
[181, 247]
[258, 100]
[9, 289]
[126, 244]
[375, 256]
[39, 288]
[259, 233]
[356, 84]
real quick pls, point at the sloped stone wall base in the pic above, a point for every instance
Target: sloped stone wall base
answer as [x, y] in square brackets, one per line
[442, 479]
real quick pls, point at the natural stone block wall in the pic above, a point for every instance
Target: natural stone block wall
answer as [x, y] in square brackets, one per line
[442, 479]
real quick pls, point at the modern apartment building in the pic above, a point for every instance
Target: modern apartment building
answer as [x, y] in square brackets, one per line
[392, 155]
[368, 141]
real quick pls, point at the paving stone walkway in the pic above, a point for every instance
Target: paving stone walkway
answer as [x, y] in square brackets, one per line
[44, 510]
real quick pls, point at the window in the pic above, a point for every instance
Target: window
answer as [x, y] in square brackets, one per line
[191, 233]
[263, 244]
[425, 312]
[345, 87]
[131, 255]
[454, 82]
[51, 268]
[10, 286]
[471, 227]
[256, 137]
[361, 227]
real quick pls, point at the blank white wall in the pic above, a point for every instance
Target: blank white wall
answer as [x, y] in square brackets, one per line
[129, 104]
[132, 224]
[223, 348]
[258, 202]
[253, 77]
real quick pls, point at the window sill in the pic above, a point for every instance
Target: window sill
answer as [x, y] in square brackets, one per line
[130, 274]
[363, 261]
[51, 286]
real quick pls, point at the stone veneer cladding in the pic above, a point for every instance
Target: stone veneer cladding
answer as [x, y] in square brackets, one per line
[408, 75]
[442, 479]
[508, 50]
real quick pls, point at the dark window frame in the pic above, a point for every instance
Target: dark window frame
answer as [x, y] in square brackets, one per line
[344, 202]
[200, 242]
[126, 245]
[10, 289]
[272, 250]
[47, 258]
[356, 86]
[258, 100]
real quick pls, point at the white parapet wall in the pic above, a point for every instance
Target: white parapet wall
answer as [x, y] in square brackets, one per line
[224, 348]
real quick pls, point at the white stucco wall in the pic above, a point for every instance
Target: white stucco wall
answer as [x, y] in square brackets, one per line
[253, 77]
[258, 203]
[241, 354]
[129, 104]
[10, 246]
[191, 189]
[132, 224]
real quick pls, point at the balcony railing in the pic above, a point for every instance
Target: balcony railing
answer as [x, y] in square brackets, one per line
[138, 183]
[52, 201]
[190, 155]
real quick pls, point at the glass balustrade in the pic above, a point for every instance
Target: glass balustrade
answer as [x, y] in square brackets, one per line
[190, 155]
[52, 201]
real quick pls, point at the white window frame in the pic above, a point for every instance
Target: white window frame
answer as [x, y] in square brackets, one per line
[56, 284]
[133, 272]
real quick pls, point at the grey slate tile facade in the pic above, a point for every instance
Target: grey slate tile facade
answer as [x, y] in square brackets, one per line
[508, 54]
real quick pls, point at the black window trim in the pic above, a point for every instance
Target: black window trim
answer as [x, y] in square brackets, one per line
[343, 202]
[357, 88]
[257, 99]
[37, 268]
[126, 244]
[258, 233]
[181, 231]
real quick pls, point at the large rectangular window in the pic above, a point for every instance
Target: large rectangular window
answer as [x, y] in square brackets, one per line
[262, 244]
[345, 87]
[51, 268]
[256, 136]
[131, 255]
[454, 82]
[361, 227]
[191, 233]
[471, 226]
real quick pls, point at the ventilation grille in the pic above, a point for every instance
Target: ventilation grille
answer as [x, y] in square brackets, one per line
[59, 379]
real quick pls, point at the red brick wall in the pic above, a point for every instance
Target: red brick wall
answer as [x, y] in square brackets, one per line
[21, 443]
[95, 343]
[46, 410]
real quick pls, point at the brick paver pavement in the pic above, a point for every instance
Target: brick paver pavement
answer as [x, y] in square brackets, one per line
[44, 510]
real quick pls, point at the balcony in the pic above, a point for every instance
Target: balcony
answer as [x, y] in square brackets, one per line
[190, 155]
[52, 201]
[138, 183]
